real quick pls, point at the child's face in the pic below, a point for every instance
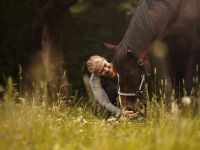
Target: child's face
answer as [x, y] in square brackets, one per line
[108, 70]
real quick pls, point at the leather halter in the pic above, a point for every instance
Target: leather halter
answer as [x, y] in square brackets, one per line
[138, 92]
[134, 93]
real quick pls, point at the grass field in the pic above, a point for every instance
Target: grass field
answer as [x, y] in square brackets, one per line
[35, 125]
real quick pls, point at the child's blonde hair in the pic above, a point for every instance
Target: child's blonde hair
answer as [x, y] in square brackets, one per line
[92, 63]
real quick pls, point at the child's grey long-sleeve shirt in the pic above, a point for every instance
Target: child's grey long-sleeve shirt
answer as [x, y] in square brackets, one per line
[100, 94]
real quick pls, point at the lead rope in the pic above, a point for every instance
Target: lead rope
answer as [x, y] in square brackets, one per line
[120, 99]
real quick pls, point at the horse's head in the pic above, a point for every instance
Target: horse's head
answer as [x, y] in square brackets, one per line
[131, 75]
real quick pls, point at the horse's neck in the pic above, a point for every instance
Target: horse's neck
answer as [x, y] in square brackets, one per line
[187, 17]
[140, 40]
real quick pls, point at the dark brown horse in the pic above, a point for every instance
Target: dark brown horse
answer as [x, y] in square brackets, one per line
[174, 22]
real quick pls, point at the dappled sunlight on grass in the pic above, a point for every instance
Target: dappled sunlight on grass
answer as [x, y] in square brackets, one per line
[37, 125]
[57, 127]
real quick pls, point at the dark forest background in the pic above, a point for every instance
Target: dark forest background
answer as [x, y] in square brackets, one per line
[76, 29]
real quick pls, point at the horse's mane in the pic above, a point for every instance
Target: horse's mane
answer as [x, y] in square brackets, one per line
[142, 28]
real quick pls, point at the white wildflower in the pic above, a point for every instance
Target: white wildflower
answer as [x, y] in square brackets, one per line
[186, 100]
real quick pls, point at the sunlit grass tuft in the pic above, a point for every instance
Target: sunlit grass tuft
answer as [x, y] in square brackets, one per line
[31, 123]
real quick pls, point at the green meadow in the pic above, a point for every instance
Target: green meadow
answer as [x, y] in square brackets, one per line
[29, 122]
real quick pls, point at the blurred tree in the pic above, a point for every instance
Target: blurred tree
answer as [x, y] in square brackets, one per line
[20, 33]
[52, 14]
[66, 32]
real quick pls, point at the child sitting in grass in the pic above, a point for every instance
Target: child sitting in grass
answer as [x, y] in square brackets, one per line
[103, 82]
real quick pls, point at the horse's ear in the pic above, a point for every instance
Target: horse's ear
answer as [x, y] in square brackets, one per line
[110, 46]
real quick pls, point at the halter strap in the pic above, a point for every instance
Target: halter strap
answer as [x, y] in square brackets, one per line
[131, 94]
[126, 94]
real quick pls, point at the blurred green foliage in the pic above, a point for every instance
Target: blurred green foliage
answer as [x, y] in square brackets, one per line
[87, 25]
